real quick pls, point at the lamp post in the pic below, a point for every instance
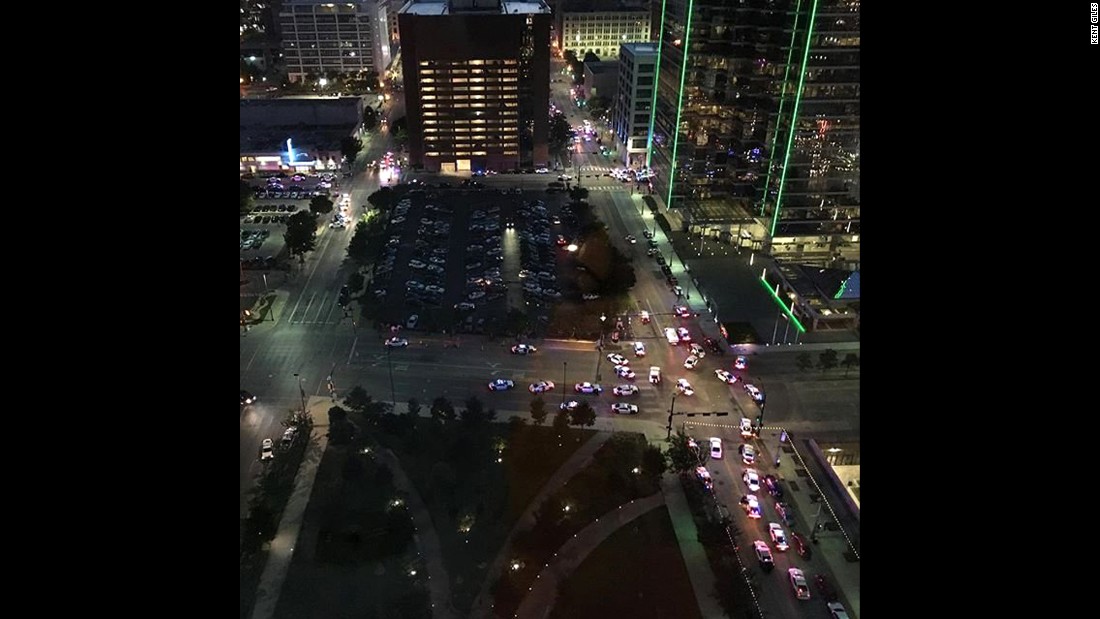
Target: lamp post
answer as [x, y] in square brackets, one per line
[599, 347]
[564, 366]
[301, 391]
[671, 408]
[393, 393]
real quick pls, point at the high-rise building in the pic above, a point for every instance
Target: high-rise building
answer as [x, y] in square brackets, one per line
[601, 26]
[756, 123]
[631, 110]
[346, 37]
[477, 83]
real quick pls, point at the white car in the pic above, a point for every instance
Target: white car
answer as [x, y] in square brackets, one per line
[703, 474]
[751, 479]
[617, 359]
[763, 555]
[746, 427]
[645, 317]
[715, 448]
[798, 583]
[639, 349]
[725, 377]
[778, 536]
[684, 387]
[397, 342]
[691, 362]
[267, 449]
[570, 405]
[836, 610]
[623, 408]
[587, 388]
[541, 171]
[541, 387]
[697, 350]
[683, 334]
[751, 506]
[748, 453]
[740, 363]
[625, 389]
[501, 384]
[682, 311]
[755, 393]
[624, 371]
[654, 374]
[523, 349]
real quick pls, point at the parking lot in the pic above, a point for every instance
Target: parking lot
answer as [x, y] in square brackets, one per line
[274, 201]
[459, 259]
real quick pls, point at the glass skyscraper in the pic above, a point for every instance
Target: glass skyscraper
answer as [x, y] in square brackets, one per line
[755, 135]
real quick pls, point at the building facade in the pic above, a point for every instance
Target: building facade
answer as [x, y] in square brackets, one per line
[477, 83]
[320, 37]
[632, 107]
[601, 27]
[296, 134]
[756, 123]
[601, 78]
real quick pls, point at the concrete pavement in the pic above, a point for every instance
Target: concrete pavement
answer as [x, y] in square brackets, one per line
[695, 556]
[482, 606]
[281, 549]
[539, 601]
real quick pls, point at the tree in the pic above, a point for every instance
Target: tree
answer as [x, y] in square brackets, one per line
[320, 205]
[561, 422]
[350, 147]
[414, 407]
[400, 131]
[359, 246]
[300, 235]
[358, 399]
[382, 199]
[850, 360]
[442, 409]
[590, 57]
[356, 281]
[654, 462]
[804, 361]
[538, 411]
[559, 132]
[578, 193]
[583, 415]
[246, 198]
[370, 118]
[598, 105]
[474, 412]
[681, 458]
[340, 430]
[827, 359]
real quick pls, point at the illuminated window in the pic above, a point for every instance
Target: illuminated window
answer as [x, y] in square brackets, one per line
[429, 106]
[428, 89]
[476, 62]
[460, 80]
[430, 114]
[433, 153]
[428, 80]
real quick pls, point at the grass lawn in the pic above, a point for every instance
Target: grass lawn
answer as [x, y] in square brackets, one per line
[465, 487]
[599, 488]
[658, 587]
[355, 550]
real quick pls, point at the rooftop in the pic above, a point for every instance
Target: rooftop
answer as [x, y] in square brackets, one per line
[604, 66]
[453, 7]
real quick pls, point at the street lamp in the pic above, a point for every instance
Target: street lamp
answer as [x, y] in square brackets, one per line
[599, 347]
[564, 366]
[302, 392]
[671, 408]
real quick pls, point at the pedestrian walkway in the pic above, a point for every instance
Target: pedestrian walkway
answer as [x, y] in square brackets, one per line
[695, 557]
[427, 540]
[540, 600]
[281, 549]
[482, 607]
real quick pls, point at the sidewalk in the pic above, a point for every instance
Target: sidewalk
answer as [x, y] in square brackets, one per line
[832, 546]
[540, 600]
[695, 557]
[482, 606]
[427, 540]
[281, 549]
